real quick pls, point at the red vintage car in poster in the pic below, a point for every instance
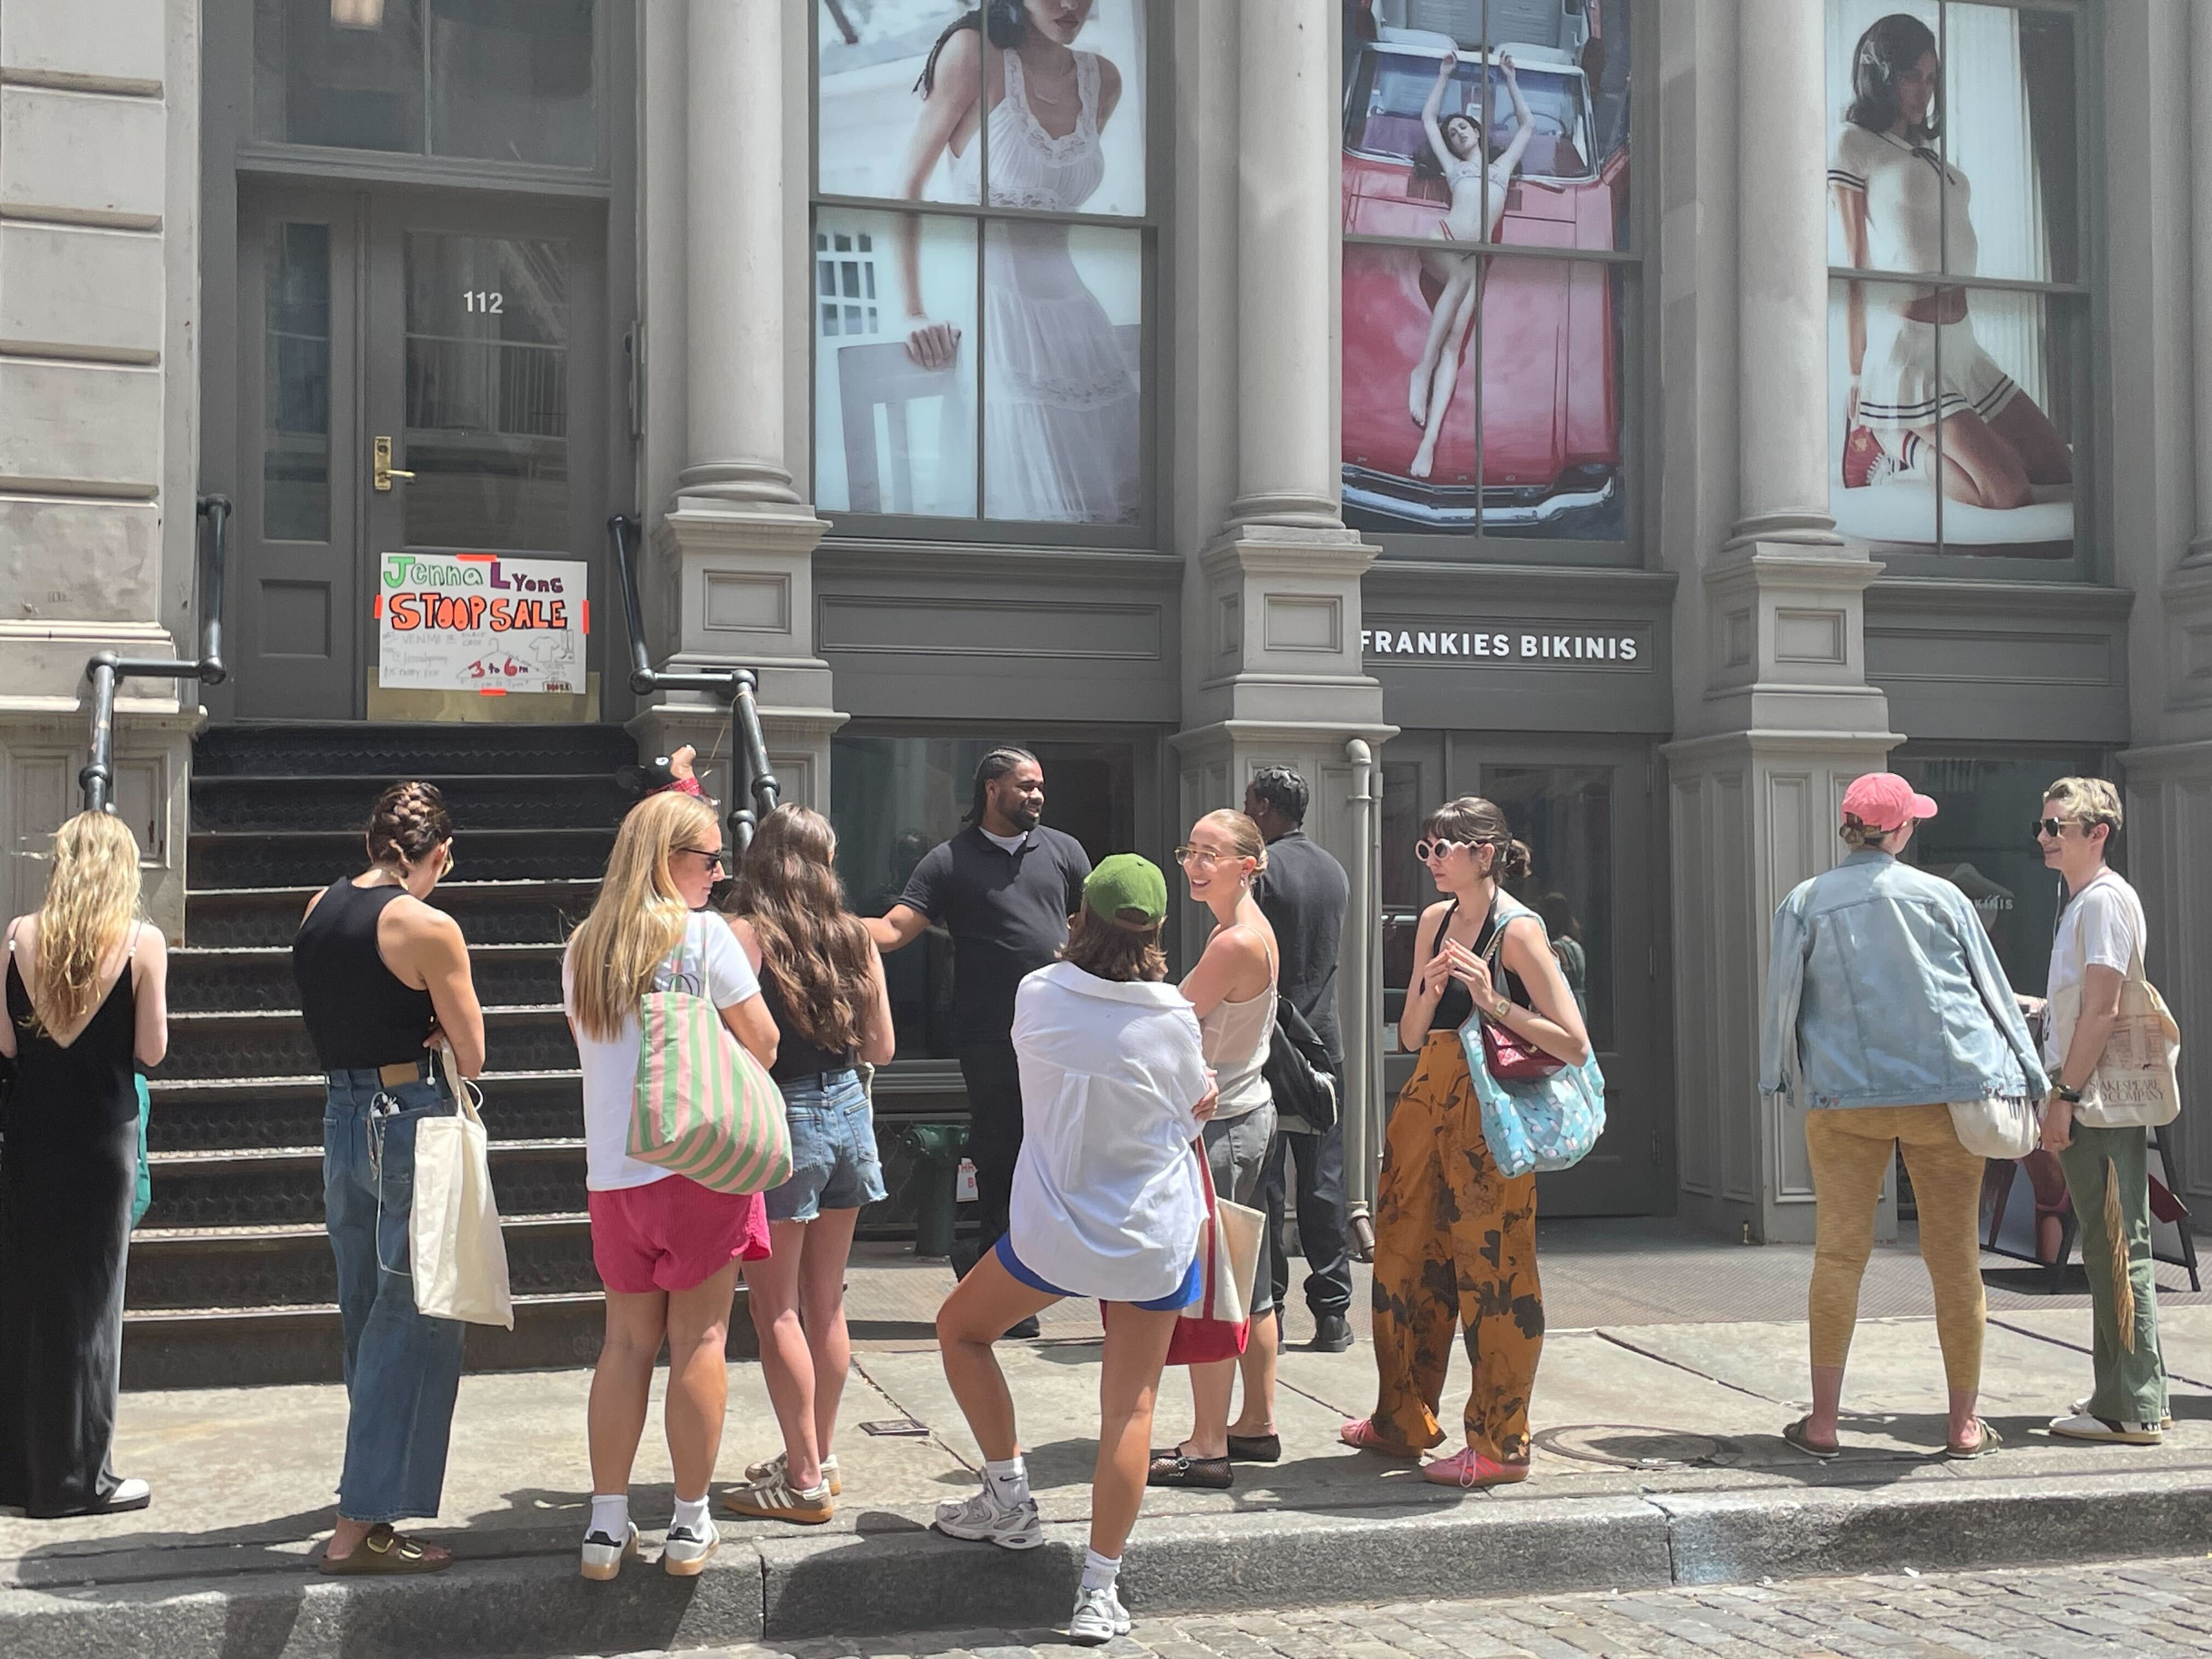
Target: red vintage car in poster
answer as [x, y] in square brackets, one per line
[1547, 459]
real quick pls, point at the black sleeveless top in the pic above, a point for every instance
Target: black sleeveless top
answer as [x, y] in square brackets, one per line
[1454, 1004]
[795, 1057]
[67, 1097]
[358, 1014]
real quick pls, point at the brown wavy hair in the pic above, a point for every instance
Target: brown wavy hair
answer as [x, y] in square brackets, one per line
[1471, 818]
[1109, 947]
[813, 948]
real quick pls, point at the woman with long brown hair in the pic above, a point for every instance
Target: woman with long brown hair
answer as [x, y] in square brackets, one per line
[1454, 1236]
[824, 984]
[87, 995]
[666, 1249]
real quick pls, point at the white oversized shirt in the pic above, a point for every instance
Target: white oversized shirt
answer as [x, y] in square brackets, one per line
[2103, 925]
[1107, 1199]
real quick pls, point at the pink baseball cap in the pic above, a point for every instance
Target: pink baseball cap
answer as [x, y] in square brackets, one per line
[1883, 800]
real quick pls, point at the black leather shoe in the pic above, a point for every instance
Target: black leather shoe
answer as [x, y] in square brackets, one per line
[1332, 1333]
[1025, 1328]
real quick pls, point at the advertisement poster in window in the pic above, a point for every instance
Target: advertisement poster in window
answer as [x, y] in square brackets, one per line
[1953, 404]
[1030, 409]
[1482, 394]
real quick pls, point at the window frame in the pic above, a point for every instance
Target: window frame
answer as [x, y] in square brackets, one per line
[1477, 546]
[2079, 306]
[1150, 227]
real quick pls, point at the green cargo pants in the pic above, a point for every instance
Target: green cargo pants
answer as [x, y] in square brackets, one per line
[2130, 1376]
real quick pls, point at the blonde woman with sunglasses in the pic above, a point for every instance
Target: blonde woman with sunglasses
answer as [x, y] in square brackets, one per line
[87, 994]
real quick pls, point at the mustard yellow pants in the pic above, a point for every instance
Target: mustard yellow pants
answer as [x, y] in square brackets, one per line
[1850, 1151]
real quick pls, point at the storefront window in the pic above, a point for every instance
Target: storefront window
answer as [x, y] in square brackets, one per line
[1983, 840]
[979, 352]
[1488, 272]
[490, 80]
[894, 796]
[1959, 412]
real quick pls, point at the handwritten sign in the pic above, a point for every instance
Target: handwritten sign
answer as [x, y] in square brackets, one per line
[481, 622]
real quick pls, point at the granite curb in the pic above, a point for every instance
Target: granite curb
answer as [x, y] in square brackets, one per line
[896, 1577]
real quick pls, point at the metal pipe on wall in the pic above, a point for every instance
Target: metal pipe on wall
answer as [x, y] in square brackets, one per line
[1363, 1116]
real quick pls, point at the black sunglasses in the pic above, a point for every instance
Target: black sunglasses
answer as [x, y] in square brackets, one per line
[2053, 828]
[718, 859]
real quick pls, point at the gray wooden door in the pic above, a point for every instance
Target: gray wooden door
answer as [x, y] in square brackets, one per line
[462, 337]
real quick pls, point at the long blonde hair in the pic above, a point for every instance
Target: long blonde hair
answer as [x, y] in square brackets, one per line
[92, 898]
[639, 916]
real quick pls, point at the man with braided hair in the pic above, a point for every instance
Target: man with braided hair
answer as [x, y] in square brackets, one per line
[1003, 888]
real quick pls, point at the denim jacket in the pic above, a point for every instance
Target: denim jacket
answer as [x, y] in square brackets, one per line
[1882, 989]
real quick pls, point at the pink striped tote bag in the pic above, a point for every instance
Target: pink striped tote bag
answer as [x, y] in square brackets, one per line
[704, 1107]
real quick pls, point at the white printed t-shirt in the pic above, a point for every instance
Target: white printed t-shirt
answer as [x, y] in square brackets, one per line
[2102, 926]
[711, 955]
[1107, 1199]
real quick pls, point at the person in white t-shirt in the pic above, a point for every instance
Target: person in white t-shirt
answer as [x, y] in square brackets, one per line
[2102, 934]
[1106, 1201]
[666, 1248]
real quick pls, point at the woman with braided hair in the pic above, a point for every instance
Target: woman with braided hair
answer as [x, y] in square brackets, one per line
[384, 982]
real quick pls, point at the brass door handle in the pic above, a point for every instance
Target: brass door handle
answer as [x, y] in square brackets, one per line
[385, 472]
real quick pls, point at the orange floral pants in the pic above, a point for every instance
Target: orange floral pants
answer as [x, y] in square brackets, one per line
[1455, 1248]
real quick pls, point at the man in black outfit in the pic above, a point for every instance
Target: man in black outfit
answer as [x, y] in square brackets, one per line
[1304, 893]
[1004, 887]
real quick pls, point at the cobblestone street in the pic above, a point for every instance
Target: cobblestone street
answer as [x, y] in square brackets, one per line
[2143, 1609]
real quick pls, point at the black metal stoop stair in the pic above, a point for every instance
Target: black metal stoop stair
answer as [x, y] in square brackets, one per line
[230, 1276]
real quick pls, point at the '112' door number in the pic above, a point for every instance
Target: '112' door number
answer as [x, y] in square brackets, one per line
[478, 300]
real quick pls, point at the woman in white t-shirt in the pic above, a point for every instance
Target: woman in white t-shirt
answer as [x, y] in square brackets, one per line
[666, 1248]
[1106, 1201]
[2102, 935]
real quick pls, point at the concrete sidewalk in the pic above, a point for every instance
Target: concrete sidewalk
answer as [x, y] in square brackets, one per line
[1657, 1461]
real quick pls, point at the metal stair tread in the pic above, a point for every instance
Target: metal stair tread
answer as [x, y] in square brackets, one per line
[443, 780]
[304, 1081]
[184, 1158]
[330, 1309]
[237, 952]
[280, 1232]
[490, 1012]
[509, 886]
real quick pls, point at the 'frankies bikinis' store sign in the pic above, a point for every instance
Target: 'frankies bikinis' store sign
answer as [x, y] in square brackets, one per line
[1521, 645]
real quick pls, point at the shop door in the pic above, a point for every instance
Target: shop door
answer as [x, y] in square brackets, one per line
[389, 334]
[1584, 809]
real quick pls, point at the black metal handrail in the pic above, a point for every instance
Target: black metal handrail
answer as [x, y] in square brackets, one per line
[748, 748]
[97, 779]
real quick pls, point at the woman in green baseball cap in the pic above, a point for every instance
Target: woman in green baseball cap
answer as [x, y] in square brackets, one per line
[1107, 1202]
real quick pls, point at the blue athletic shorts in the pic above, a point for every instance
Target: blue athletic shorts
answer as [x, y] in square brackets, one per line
[1192, 1286]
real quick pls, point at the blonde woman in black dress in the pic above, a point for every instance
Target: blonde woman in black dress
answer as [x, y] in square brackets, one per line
[88, 1002]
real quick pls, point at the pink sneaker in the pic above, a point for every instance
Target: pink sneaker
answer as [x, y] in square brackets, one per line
[1469, 1470]
[1362, 1434]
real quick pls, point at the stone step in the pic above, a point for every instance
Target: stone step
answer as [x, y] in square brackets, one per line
[226, 1114]
[490, 912]
[258, 979]
[208, 1046]
[232, 858]
[389, 751]
[263, 1186]
[476, 801]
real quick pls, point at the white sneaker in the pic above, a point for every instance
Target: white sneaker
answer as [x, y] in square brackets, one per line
[2081, 1408]
[774, 1468]
[2082, 1426]
[1099, 1617]
[604, 1556]
[130, 1493]
[982, 1519]
[685, 1555]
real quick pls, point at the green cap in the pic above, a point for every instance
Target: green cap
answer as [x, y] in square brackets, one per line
[1127, 881]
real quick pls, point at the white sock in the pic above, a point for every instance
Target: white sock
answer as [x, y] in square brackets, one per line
[610, 1515]
[1100, 1572]
[1008, 1482]
[691, 1516]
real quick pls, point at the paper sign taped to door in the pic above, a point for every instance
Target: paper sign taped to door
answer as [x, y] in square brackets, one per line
[481, 622]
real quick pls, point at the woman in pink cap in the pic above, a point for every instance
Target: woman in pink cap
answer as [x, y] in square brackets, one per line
[1885, 1005]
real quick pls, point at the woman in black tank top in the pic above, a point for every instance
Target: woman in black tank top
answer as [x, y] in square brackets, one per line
[382, 978]
[1455, 1238]
[823, 980]
[71, 1167]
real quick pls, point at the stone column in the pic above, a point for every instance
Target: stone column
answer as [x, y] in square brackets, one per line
[733, 566]
[2200, 179]
[1271, 667]
[1774, 715]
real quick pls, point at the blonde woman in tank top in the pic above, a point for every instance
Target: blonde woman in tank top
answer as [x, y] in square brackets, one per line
[1232, 989]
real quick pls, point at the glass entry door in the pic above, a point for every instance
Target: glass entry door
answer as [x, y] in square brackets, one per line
[422, 372]
[1583, 807]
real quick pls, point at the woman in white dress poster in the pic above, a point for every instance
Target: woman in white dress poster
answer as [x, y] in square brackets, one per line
[1059, 401]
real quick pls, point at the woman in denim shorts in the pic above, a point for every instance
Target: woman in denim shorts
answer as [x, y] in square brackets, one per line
[823, 982]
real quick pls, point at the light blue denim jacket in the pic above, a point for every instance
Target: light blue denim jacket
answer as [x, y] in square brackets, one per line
[1882, 989]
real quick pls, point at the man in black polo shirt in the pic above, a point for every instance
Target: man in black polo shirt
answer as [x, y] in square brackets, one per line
[1004, 887]
[1304, 893]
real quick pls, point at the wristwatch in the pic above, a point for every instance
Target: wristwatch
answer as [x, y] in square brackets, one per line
[2071, 1097]
[1501, 1007]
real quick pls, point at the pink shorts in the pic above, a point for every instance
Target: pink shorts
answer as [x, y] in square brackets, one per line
[672, 1234]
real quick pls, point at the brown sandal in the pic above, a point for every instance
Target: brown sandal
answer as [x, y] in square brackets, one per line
[385, 1552]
